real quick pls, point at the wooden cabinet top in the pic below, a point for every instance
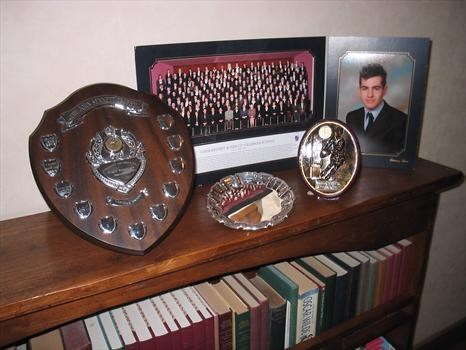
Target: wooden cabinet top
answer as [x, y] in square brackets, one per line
[45, 265]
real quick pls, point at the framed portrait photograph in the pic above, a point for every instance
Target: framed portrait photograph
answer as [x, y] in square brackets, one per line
[246, 103]
[377, 87]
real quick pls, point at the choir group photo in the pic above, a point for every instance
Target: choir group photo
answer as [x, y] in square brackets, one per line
[217, 98]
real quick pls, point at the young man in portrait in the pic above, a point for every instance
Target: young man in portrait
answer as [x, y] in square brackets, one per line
[380, 128]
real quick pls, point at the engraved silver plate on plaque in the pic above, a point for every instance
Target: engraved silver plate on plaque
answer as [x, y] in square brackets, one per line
[116, 158]
[127, 202]
[76, 115]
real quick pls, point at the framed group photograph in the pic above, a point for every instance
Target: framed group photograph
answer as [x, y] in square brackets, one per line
[377, 87]
[246, 103]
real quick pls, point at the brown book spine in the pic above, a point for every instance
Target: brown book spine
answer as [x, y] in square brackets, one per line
[225, 328]
[75, 336]
[406, 247]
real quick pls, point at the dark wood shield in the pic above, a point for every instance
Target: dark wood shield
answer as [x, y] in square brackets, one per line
[115, 163]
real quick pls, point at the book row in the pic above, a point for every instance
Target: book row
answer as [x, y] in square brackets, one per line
[277, 307]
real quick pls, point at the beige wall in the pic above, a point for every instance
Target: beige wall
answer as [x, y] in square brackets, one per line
[51, 48]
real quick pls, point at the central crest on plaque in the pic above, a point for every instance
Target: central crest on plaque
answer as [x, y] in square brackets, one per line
[116, 158]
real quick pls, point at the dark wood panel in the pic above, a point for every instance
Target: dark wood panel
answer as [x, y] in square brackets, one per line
[50, 275]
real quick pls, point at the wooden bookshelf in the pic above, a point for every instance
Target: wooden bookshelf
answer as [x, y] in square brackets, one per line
[50, 276]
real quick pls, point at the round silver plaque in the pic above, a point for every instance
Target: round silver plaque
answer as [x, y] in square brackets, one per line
[329, 158]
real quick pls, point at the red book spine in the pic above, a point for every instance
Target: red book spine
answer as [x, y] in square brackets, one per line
[208, 332]
[374, 344]
[208, 319]
[255, 319]
[146, 344]
[389, 275]
[405, 246]
[198, 330]
[187, 336]
[133, 346]
[175, 340]
[161, 342]
[401, 278]
[264, 331]
[397, 273]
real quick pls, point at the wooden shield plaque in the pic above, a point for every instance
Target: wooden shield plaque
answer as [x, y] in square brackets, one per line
[115, 163]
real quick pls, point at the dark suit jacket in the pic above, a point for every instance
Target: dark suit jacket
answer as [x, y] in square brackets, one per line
[387, 134]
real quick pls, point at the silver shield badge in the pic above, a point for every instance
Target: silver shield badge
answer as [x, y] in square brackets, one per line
[158, 211]
[175, 142]
[107, 224]
[137, 231]
[177, 165]
[165, 121]
[49, 142]
[64, 189]
[171, 189]
[116, 158]
[83, 209]
[51, 167]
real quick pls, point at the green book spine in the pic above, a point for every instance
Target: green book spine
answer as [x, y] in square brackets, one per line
[328, 299]
[277, 327]
[288, 290]
[321, 311]
[242, 331]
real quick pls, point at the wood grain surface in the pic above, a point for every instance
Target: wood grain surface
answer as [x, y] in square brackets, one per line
[50, 276]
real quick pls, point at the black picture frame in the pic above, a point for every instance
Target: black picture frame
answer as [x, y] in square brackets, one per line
[261, 149]
[406, 61]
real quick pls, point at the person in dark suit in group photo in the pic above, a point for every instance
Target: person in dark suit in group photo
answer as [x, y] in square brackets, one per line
[380, 128]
